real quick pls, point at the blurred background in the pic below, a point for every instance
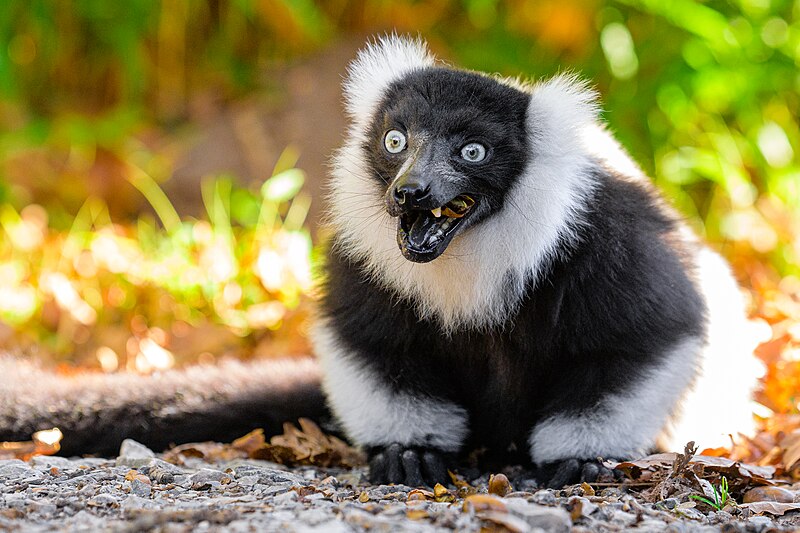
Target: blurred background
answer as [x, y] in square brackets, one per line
[161, 162]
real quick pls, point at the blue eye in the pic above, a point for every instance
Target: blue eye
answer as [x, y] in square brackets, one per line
[394, 141]
[473, 152]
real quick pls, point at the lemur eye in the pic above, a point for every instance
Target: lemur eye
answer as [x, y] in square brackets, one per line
[473, 152]
[394, 141]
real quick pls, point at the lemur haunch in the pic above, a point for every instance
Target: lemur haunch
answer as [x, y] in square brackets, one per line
[503, 276]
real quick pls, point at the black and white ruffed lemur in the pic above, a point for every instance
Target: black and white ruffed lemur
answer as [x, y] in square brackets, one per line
[503, 276]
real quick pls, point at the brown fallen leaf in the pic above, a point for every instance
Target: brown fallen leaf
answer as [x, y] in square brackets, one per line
[483, 502]
[417, 514]
[506, 520]
[45, 442]
[463, 488]
[208, 451]
[721, 465]
[420, 495]
[442, 495]
[768, 494]
[791, 449]
[773, 508]
[250, 442]
[307, 445]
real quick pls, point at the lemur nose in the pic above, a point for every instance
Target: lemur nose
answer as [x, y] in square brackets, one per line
[411, 192]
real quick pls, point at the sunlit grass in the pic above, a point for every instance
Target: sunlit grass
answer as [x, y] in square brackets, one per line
[126, 295]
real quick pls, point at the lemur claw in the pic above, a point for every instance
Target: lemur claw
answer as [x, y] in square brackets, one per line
[410, 466]
[570, 471]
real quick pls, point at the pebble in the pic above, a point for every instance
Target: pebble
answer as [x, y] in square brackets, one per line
[140, 491]
[133, 454]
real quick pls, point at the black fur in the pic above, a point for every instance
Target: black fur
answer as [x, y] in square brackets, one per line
[595, 323]
[449, 109]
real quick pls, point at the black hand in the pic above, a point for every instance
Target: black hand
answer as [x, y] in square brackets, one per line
[410, 466]
[570, 471]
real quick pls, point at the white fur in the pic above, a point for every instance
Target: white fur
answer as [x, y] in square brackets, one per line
[378, 65]
[479, 280]
[621, 425]
[372, 414]
[720, 402]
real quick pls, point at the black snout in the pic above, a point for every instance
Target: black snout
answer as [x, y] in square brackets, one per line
[410, 193]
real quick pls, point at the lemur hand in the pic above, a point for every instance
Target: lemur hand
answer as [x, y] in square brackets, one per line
[408, 465]
[559, 474]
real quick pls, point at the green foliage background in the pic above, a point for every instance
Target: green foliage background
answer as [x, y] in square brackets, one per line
[703, 94]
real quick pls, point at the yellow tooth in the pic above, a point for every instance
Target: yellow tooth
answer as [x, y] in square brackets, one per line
[437, 212]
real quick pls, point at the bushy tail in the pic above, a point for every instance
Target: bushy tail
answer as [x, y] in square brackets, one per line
[96, 412]
[720, 403]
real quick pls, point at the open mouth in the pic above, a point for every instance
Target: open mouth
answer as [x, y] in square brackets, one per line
[424, 235]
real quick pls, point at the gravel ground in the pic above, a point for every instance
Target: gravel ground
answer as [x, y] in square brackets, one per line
[139, 491]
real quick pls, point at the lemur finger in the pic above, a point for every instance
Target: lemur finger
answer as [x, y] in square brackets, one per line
[411, 465]
[377, 469]
[566, 472]
[434, 468]
[394, 470]
[591, 472]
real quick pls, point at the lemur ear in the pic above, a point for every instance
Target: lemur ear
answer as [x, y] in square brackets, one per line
[383, 61]
[560, 110]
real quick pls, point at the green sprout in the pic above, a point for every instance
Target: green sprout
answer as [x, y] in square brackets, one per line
[721, 496]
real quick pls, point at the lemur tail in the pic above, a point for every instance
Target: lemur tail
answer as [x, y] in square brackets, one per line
[204, 402]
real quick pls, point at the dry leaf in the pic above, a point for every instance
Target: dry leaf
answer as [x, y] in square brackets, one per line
[791, 449]
[773, 508]
[483, 502]
[417, 514]
[208, 451]
[308, 445]
[420, 495]
[508, 521]
[768, 494]
[45, 442]
[442, 495]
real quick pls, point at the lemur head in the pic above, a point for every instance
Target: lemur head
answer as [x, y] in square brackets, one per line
[477, 179]
[446, 145]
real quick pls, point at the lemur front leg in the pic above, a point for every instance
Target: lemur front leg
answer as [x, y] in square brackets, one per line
[410, 436]
[618, 424]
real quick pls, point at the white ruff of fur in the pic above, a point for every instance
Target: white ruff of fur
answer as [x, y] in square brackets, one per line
[378, 65]
[621, 425]
[372, 414]
[481, 277]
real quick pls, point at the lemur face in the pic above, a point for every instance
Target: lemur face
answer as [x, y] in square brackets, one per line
[446, 145]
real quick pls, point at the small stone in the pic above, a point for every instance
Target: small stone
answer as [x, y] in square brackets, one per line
[134, 454]
[43, 507]
[499, 485]
[46, 462]
[668, 504]
[14, 470]
[544, 497]
[247, 481]
[761, 523]
[330, 480]
[141, 488]
[551, 519]
[133, 502]
[286, 497]
[206, 475]
[103, 500]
